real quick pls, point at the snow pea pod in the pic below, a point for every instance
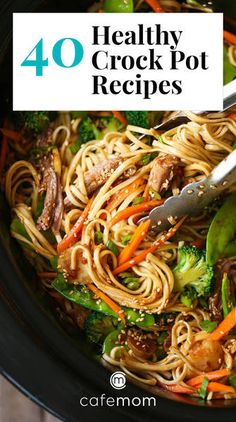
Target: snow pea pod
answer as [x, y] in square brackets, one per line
[221, 231]
[118, 6]
[82, 296]
[225, 290]
[230, 249]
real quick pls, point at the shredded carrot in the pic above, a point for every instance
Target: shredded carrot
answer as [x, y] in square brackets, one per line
[113, 305]
[218, 387]
[146, 192]
[139, 258]
[225, 326]
[123, 193]
[232, 116]
[155, 5]
[137, 238]
[135, 209]
[118, 115]
[74, 234]
[175, 388]
[213, 375]
[45, 274]
[11, 134]
[229, 37]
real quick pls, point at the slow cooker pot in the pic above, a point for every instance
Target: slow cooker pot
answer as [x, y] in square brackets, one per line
[40, 354]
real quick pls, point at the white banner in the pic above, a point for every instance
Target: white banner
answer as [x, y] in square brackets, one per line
[99, 61]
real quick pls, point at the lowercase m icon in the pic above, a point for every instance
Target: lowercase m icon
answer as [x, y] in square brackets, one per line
[118, 380]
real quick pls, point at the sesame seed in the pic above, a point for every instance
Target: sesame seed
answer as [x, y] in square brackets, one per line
[200, 194]
[190, 191]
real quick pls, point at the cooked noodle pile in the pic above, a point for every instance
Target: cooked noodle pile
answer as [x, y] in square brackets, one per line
[76, 204]
[199, 145]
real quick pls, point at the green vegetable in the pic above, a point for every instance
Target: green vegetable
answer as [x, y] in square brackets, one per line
[40, 205]
[229, 69]
[19, 228]
[161, 338]
[87, 130]
[110, 342]
[98, 326]
[192, 272]
[202, 391]
[78, 114]
[130, 280]
[118, 6]
[112, 247]
[81, 295]
[154, 194]
[193, 3]
[232, 380]
[40, 151]
[126, 274]
[90, 129]
[141, 319]
[54, 262]
[138, 200]
[230, 249]
[98, 238]
[145, 119]
[75, 147]
[225, 291]
[188, 297]
[147, 158]
[221, 231]
[208, 326]
[35, 121]
[133, 285]
[228, 301]
[125, 240]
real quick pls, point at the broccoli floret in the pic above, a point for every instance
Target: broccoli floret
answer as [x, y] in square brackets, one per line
[35, 121]
[90, 129]
[193, 277]
[138, 118]
[108, 124]
[98, 326]
[145, 119]
[87, 130]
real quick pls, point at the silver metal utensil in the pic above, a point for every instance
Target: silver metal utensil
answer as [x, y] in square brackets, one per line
[195, 196]
[180, 118]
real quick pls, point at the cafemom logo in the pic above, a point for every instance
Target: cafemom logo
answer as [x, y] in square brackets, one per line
[118, 380]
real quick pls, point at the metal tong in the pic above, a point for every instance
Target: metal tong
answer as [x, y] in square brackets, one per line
[180, 118]
[198, 195]
[194, 197]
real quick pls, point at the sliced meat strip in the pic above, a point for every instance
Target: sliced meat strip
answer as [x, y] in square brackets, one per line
[163, 171]
[45, 138]
[59, 207]
[45, 220]
[100, 173]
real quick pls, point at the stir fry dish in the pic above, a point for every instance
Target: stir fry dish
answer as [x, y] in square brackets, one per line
[162, 307]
